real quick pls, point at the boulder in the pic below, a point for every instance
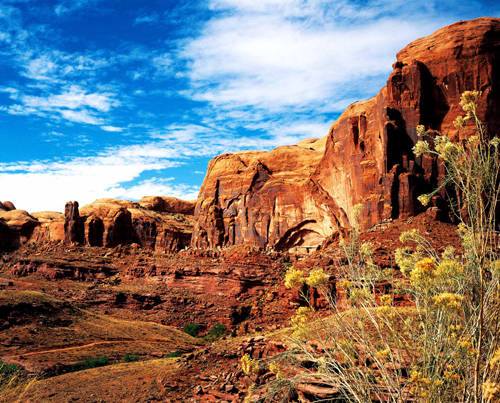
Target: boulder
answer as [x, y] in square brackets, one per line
[7, 206]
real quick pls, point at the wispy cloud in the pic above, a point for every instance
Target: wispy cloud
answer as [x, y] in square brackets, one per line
[74, 104]
[147, 19]
[295, 53]
[70, 6]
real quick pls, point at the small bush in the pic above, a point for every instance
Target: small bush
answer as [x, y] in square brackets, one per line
[130, 357]
[8, 372]
[173, 354]
[216, 332]
[91, 362]
[193, 329]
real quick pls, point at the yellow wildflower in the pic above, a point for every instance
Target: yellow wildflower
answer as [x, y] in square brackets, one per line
[448, 269]
[276, 370]
[405, 260]
[386, 300]
[459, 122]
[448, 300]
[424, 199]
[299, 320]
[448, 253]
[345, 284]
[495, 360]
[495, 142]
[420, 130]
[491, 391]
[366, 249]
[423, 271]
[360, 295]
[473, 140]
[294, 277]
[468, 101]
[409, 236]
[421, 147]
[317, 277]
[248, 365]
[382, 354]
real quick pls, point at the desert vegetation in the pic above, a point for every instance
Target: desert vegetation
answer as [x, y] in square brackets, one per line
[443, 346]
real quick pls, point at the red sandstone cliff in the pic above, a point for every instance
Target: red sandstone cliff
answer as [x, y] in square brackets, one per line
[299, 195]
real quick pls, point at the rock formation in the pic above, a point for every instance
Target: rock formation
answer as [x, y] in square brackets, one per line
[170, 205]
[299, 195]
[163, 224]
[73, 224]
[16, 228]
[110, 222]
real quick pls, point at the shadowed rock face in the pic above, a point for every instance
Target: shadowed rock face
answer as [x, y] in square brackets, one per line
[299, 195]
[109, 222]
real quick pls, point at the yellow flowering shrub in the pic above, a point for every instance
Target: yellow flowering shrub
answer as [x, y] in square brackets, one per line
[421, 147]
[294, 277]
[448, 300]
[317, 278]
[423, 272]
[491, 391]
[299, 320]
[248, 365]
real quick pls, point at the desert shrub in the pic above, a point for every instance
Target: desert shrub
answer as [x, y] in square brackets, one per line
[193, 329]
[173, 354]
[447, 347]
[130, 357]
[9, 372]
[90, 362]
[216, 332]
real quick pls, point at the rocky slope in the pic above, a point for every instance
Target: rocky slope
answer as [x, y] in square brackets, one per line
[297, 196]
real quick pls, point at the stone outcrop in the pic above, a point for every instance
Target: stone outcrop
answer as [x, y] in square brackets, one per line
[73, 224]
[16, 228]
[163, 224]
[171, 205]
[110, 222]
[50, 228]
[299, 195]
[7, 206]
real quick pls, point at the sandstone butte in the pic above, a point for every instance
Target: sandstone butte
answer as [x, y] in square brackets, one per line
[160, 223]
[299, 196]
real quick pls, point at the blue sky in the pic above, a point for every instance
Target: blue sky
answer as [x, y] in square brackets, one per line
[125, 98]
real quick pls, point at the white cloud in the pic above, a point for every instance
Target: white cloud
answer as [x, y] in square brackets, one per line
[74, 104]
[112, 129]
[80, 117]
[156, 187]
[280, 54]
[43, 185]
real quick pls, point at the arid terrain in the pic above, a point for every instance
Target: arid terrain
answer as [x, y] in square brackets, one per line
[158, 300]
